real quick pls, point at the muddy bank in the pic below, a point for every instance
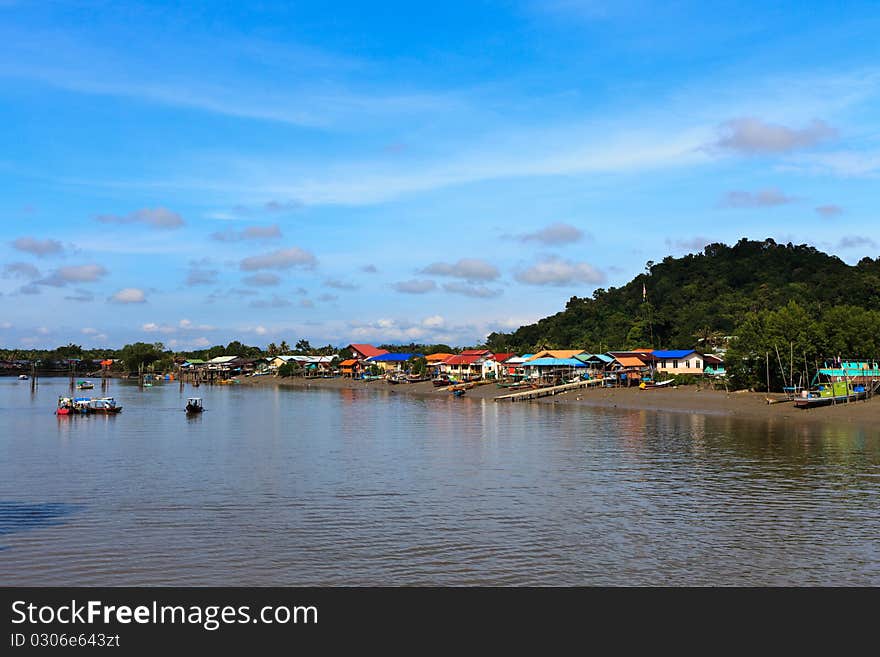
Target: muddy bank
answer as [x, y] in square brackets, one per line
[683, 399]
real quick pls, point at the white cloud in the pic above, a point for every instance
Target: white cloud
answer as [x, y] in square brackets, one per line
[415, 286]
[829, 211]
[262, 280]
[752, 136]
[469, 269]
[21, 270]
[760, 199]
[129, 295]
[281, 259]
[856, 242]
[38, 247]
[162, 218]
[153, 327]
[476, 291]
[74, 274]
[557, 233]
[690, 244]
[89, 331]
[198, 276]
[557, 272]
[5, 325]
[271, 232]
[337, 284]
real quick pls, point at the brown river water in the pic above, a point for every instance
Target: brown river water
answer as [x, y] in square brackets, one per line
[351, 487]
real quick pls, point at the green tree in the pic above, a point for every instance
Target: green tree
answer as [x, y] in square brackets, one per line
[141, 353]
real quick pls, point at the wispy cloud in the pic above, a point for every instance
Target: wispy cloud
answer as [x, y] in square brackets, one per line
[294, 257]
[856, 242]
[829, 211]
[696, 243]
[554, 234]
[198, 276]
[557, 272]
[753, 136]
[415, 286]
[271, 232]
[161, 218]
[74, 274]
[262, 280]
[337, 284]
[129, 295]
[764, 198]
[469, 269]
[38, 247]
[475, 291]
[21, 270]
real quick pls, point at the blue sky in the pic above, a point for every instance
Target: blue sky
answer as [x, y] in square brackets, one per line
[396, 172]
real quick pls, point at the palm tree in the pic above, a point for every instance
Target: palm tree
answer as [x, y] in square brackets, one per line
[284, 348]
[707, 338]
[272, 349]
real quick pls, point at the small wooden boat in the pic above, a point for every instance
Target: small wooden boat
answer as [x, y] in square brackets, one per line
[194, 406]
[441, 382]
[652, 385]
[85, 385]
[104, 406]
[65, 406]
[22, 377]
[459, 392]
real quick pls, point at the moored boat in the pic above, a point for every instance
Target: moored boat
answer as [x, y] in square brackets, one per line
[85, 385]
[105, 406]
[833, 392]
[22, 377]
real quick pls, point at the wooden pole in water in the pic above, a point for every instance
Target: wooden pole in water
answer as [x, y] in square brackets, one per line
[767, 363]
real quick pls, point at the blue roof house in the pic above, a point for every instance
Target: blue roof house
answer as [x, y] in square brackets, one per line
[679, 361]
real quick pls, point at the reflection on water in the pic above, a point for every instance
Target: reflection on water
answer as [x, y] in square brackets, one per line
[361, 487]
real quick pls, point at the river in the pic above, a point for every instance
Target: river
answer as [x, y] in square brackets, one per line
[355, 487]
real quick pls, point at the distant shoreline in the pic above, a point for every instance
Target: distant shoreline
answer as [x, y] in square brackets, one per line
[863, 415]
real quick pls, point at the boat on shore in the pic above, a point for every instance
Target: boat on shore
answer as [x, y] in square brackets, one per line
[832, 392]
[653, 385]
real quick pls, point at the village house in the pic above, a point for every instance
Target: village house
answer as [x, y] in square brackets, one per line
[493, 367]
[679, 361]
[362, 352]
[466, 366]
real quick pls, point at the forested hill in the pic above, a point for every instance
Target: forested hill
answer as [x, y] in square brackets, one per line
[698, 298]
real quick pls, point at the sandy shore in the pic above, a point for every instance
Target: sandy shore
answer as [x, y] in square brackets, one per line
[682, 399]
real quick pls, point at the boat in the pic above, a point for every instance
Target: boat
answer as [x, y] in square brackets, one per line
[194, 406]
[652, 385]
[76, 406]
[441, 382]
[459, 392]
[65, 406]
[85, 385]
[22, 377]
[832, 392]
[104, 406]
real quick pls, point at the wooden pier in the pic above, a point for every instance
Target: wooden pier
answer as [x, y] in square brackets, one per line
[526, 395]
